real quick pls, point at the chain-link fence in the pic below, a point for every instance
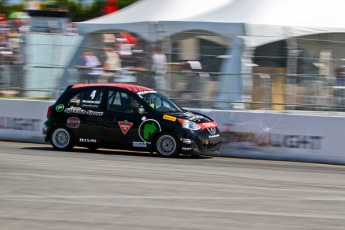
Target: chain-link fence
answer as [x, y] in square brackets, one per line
[304, 73]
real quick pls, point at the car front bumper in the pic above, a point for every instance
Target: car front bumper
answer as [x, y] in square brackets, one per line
[196, 145]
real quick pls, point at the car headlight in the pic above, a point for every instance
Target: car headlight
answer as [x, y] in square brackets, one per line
[189, 124]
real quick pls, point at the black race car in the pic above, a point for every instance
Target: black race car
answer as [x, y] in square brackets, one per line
[123, 116]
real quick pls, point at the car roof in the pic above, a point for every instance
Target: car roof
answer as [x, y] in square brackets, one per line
[133, 88]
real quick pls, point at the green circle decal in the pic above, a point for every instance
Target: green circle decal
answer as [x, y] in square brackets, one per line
[59, 108]
[147, 129]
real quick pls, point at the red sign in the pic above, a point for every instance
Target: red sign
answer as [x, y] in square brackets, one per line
[125, 126]
[208, 125]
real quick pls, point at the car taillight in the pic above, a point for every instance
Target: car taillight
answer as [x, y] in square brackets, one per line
[48, 111]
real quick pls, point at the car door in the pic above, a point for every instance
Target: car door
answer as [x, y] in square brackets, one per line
[84, 113]
[120, 123]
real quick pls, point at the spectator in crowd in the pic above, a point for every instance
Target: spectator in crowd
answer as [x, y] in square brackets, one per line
[142, 68]
[193, 87]
[3, 41]
[5, 49]
[159, 67]
[91, 64]
[125, 51]
[125, 48]
[109, 40]
[130, 38]
[112, 63]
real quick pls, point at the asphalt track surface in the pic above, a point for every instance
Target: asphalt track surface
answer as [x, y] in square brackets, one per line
[45, 189]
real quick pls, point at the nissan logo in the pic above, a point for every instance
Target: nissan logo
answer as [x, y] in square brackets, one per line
[212, 130]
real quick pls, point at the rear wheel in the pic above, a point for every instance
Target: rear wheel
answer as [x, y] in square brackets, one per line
[167, 145]
[62, 139]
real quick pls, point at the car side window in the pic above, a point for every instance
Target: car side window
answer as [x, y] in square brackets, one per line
[121, 101]
[90, 98]
[158, 103]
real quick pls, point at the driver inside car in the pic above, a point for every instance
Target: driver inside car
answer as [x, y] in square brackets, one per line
[129, 104]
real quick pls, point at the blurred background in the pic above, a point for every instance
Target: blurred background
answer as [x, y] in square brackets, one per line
[228, 54]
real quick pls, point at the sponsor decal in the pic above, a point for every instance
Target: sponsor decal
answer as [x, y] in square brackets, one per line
[73, 122]
[59, 108]
[91, 102]
[193, 117]
[230, 135]
[208, 125]
[148, 129]
[94, 113]
[79, 110]
[93, 106]
[295, 141]
[25, 124]
[125, 126]
[145, 92]
[87, 140]
[187, 149]
[186, 141]
[169, 118]
[139, 144]
[75, 100]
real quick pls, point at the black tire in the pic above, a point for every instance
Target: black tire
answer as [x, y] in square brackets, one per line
[167, 145]
[62, 139]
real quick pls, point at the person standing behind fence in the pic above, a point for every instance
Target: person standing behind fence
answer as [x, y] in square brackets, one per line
[92, 64]
[160, 68]
[111, 64]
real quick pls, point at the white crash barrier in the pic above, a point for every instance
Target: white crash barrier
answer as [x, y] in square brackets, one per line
[249, 134]
[22, 120]
[281, 136]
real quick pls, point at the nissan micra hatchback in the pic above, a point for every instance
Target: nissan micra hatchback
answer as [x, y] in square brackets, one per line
[123, 116]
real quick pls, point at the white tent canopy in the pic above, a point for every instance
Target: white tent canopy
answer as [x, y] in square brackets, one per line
[142, 16]
[245, 23]
[266, 20]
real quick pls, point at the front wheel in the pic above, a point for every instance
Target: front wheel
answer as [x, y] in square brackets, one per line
[167, 145]
[62, 139]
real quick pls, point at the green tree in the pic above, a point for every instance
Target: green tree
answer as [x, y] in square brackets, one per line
[124, 3]
[80, 11]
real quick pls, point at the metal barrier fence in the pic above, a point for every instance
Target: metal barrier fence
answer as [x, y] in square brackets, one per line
[301, 73]
[12, 80]
[200, 89]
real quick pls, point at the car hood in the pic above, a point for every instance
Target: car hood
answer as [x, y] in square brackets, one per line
[192, 116]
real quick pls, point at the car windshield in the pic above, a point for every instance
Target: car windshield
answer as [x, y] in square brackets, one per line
[159, 102]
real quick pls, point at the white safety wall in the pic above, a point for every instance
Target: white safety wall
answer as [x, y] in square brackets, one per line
[279, 136]
[22, 120]
[251, 134]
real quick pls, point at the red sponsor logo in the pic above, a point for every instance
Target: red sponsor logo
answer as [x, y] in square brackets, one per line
[73, 122]
[208, 125]
[125, 126]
